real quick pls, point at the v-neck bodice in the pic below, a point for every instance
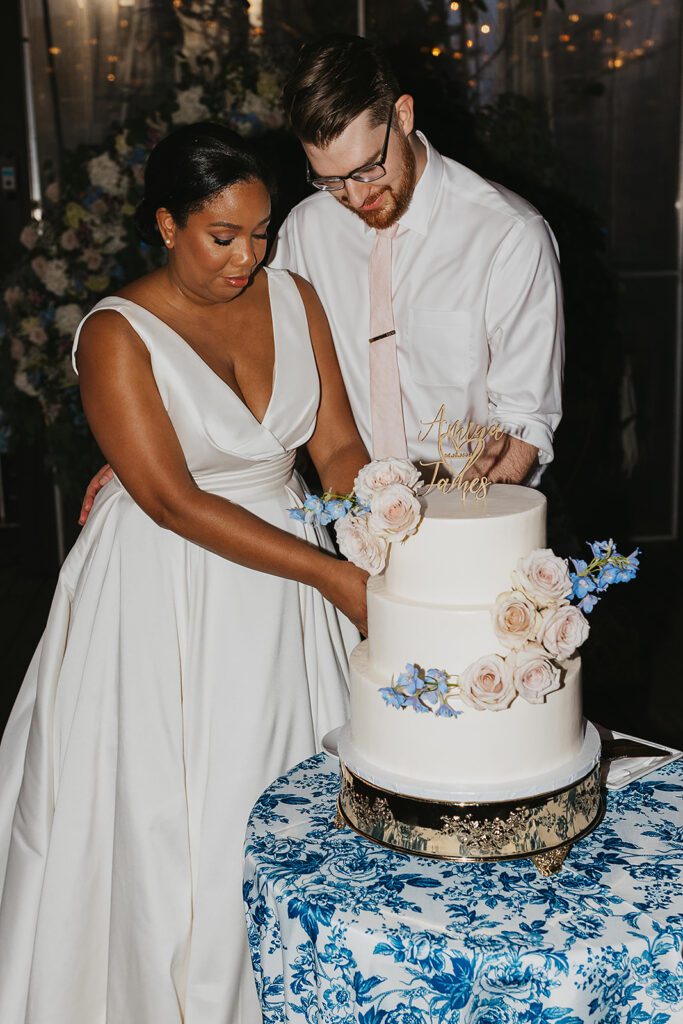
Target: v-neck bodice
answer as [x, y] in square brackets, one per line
[216, 429]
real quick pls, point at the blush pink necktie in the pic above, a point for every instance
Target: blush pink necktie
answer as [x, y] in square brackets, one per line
[386, 404]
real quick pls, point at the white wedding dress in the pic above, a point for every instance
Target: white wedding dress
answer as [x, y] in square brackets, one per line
[169, 688]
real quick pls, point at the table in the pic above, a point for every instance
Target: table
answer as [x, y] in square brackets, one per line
[342, 930]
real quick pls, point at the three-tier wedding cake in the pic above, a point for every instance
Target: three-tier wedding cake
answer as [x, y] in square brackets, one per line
[434, 606]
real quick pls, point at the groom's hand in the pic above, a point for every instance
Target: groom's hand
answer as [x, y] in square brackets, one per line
[96, 484]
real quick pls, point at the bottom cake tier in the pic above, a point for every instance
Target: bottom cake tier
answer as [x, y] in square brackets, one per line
[480, 755]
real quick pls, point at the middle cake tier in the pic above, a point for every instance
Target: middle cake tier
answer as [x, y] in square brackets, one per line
[448, 637]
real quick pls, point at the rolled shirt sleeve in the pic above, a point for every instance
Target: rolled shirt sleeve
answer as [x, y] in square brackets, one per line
[525, 329]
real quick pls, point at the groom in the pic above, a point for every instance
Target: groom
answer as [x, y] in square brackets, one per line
[474, 288]
[477, 301]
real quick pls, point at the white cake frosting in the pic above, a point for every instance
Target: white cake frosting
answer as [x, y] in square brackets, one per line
[432, 607]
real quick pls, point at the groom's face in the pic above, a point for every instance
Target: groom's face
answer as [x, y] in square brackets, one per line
[382, 202]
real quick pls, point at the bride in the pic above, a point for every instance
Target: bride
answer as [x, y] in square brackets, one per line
[197, 642]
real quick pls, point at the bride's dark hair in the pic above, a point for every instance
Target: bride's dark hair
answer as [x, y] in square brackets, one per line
[188, 167]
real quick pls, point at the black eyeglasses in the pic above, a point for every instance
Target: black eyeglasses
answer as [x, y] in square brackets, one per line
[371, 172]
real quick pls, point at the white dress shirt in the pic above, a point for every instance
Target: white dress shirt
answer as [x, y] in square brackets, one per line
[477, 304]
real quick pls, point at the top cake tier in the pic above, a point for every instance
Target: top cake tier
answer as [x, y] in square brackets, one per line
[464, 551]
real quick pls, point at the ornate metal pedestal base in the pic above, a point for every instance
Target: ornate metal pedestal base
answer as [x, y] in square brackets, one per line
[542, 827]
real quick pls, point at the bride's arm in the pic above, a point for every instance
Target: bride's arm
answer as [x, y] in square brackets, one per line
[125, 412]
[335, 447]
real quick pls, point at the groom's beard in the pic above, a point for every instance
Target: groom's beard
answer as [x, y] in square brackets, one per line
[396, 200]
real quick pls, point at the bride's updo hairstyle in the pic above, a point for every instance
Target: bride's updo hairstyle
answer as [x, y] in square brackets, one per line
[190, 166]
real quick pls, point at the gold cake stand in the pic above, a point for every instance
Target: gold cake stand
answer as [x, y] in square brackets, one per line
[542, 827]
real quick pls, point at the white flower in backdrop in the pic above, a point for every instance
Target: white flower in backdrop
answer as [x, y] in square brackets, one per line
[104, 173]
[67, 319]
[190, 106]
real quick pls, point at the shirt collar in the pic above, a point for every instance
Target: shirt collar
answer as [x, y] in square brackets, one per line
[419, 213]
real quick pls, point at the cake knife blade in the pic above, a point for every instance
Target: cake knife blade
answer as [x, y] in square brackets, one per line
[614, 748]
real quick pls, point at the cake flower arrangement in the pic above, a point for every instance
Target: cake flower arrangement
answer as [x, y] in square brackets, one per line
[541, 621]
[383, 508]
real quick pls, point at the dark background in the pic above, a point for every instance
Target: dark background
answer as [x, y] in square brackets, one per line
[606, 179]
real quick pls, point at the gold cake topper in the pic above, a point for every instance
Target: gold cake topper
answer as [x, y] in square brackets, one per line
[458, 440]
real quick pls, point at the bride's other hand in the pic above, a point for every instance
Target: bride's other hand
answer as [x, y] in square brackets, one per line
[102, 477]
[346, 588]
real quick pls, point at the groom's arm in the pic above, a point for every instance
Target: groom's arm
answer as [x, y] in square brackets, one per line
[525, 330]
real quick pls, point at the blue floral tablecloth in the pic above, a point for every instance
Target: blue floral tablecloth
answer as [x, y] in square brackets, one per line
[343, 931]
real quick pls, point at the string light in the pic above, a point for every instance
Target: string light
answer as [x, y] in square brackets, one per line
[618, 62]
[111, 78]
[485, 29]
[565, 38]
[649, 43]
[455, 6]
[457, 55]
[596, 35]
[54, 50]
[469, 44]
[571, 49]
[610, 16]
[436, 51]
[575, 17]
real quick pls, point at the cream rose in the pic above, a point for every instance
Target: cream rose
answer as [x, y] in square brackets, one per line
[394, 512]
[382, 473]
[543, 577]
[562, 630]
[533, 674]
[487, 684]
[515, 619]
[356, 542]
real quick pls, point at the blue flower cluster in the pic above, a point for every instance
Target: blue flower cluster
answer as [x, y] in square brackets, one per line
[606, 567]
[317, 511]
[422, 690]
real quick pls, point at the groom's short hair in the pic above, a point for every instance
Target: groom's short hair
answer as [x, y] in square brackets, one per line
[336, 78]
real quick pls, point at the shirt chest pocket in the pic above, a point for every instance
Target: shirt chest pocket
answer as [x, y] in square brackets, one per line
[440, 347]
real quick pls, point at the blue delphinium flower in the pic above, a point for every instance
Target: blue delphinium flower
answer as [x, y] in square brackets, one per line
[446, 711]
[416, 704]
[421, 690]
[606, 577]
[606, 568]
[588, 603]
[392, 697]
[337, 508]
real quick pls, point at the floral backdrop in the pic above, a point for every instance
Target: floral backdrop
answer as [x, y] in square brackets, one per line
[85, 246]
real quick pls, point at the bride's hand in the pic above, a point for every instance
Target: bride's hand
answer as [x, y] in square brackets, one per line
[346, 587]
[102, 477]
